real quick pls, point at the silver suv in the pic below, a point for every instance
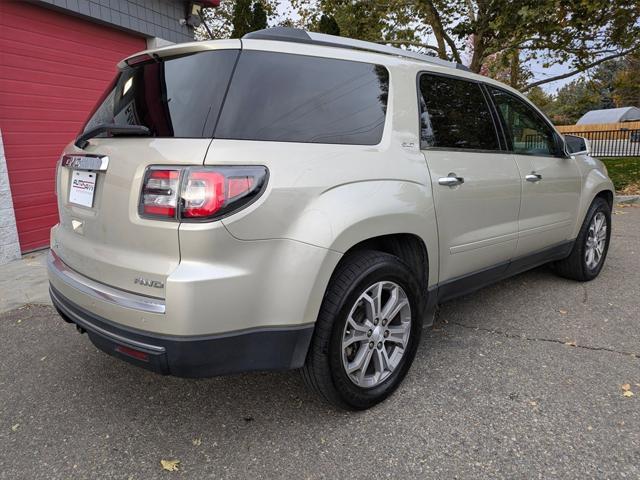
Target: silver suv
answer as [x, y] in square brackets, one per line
[297, 200]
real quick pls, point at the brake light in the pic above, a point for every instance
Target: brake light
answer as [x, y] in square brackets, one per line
[160, 193]
[212, 192]
[203, 193]
[206, 193]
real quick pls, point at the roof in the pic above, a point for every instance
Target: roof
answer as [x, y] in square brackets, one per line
[610, 115]
[288, 34]
[296, 36]
[301, 42]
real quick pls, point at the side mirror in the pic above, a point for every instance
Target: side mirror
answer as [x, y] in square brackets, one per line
[577, 145]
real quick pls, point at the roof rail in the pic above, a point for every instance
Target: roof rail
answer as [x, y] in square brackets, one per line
[288, 34]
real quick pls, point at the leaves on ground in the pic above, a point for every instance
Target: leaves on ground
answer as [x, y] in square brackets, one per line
[563, 312]
[197, 442]
[626, 387]
[631, 189]
[170, 465]
[626, 390]
[628, 393]
[571, 344]
[15, 427]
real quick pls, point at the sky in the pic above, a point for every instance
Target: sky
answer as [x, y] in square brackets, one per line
[540, 73]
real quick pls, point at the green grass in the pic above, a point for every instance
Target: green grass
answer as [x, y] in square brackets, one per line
[624, 172]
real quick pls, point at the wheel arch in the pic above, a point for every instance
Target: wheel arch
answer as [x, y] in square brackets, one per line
[595, 185]
[408, 247]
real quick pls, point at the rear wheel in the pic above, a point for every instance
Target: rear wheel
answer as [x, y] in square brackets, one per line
[367, 331]
[591, 246]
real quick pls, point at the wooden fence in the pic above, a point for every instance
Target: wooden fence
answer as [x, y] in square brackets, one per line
[598, 127]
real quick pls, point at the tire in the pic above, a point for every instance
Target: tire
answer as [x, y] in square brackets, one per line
[325, 368]
[576, 266]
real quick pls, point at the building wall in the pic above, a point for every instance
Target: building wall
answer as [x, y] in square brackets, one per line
[53, 69]
[153, 18]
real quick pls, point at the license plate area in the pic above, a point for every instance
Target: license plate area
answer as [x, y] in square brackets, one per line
[83, 188]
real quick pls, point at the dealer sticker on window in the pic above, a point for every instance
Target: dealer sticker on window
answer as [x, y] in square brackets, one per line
[83, 185]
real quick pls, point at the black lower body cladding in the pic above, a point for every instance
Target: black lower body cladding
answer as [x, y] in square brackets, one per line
[193, 356]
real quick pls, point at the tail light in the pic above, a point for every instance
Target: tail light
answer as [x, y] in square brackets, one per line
[205, 193]
[160, 193]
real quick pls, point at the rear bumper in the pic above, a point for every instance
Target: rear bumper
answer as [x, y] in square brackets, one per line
[271, 348]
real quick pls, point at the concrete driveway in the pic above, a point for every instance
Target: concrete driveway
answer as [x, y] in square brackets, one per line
[519, 380]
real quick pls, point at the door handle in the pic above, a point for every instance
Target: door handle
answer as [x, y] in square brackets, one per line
[451, 180]
[533, 177]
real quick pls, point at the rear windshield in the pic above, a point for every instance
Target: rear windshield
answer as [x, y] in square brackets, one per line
[176, 97]
[272, 97]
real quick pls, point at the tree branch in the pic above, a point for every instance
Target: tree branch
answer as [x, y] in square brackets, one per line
[579, 69]
[409, 42]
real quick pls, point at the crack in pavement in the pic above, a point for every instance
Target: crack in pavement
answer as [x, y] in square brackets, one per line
[548, 340]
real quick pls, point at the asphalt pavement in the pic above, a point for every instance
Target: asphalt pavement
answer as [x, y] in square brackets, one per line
[523, 379]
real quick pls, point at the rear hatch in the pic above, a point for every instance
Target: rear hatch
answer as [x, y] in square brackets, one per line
[102, 233]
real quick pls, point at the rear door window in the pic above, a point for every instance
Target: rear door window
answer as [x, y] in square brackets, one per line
[294, 98]
[455, 115]
[173, 97]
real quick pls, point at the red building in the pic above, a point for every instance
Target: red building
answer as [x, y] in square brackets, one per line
[56, 58]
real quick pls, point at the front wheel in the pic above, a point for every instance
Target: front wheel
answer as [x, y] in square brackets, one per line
[591, 246]
[367, 331]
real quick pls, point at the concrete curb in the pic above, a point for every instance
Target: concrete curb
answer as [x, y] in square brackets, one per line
[627, 199]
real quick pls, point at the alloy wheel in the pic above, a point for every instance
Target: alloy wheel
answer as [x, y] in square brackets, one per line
[376, 334]
[596, 241]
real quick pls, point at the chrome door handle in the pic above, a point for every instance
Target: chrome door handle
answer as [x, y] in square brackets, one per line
[533, 177]
[451, 180]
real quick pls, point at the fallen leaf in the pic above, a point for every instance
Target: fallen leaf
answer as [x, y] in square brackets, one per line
[532, 403]
[571, 344]
[15, 427]
[43, 358]
[170, 465]
[196, 441]
[628, 393]
[563, 312]
[626, 387]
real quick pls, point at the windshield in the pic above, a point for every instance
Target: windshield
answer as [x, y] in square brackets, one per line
[172, 97]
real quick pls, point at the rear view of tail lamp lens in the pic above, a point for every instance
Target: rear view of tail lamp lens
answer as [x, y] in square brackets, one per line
[200, 194]
[159, 198]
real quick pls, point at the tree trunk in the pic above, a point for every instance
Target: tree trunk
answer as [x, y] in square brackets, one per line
[442, 38]
[514, 74]
[433, 19]
[478, 53]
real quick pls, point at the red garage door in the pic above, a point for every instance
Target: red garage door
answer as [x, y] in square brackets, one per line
[53, 68]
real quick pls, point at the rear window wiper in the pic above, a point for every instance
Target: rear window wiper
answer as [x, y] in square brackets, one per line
[112, 128]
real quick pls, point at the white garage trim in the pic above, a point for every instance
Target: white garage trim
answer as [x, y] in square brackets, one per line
[9, 244]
